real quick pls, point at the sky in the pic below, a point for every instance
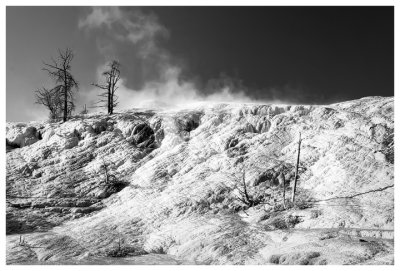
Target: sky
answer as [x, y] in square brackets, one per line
[176, 55]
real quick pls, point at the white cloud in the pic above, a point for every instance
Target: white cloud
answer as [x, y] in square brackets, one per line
[100, 16]
[142, 31]
[126, 26]
[168, 91]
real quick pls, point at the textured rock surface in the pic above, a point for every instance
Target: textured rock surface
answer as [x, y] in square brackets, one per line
[183, 172]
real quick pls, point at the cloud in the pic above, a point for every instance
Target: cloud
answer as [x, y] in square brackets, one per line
[132, 26]
[168, 89]
[100, 16]
[168, 92]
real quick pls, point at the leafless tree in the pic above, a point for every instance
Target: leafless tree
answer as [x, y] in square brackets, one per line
[60, 71]
[107, 97]
[84, 110]
[51, 100]
[109, 177]
[111, 183]
[244, 196]
[282, 180]
[297, 170]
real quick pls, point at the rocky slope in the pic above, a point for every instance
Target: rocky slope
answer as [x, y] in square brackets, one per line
[171, 181]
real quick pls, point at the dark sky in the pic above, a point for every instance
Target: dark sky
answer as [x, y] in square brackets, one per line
[330, 52]
[294, 54]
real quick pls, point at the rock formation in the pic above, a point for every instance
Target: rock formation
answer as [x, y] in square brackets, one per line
[177, 175]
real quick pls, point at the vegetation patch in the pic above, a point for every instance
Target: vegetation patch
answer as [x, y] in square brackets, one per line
[158, 250]
[121, 249]
[301, 258]
[315, 214]
[388, 146]
[283, 222]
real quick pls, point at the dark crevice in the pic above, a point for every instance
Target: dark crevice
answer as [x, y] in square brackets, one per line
[358, 194]
[143, 136]
[187, 123]
[232, 142]
[11, 146]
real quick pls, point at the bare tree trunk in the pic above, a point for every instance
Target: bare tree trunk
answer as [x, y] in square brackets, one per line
[297, 170]
[60, 72]
[245, 189]
[65, 97]
[284, 193]
[111, 101]
[109, 106]
[112, 91]
[108, 99]
[106, 171]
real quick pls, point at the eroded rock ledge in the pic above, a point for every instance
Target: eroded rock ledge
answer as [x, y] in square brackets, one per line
[168, 182]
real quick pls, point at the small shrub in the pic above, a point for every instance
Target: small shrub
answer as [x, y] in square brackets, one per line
[308, 258]
[301, 205]
[280, 208]
[279, 223]
[158, 250]
[315, 214]
[123, 250]
[112, 184]
[301, 258]
[293, 220]
[275, 258]
[283, 223]
[118, 252]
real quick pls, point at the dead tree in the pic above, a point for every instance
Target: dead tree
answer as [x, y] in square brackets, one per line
[282, 180]
[109, 177]
[24, 243]
[111, 183]
[244, 195]
[107, 97]
[297, 170]
[60, 71]
[84, 110]
[51, 100]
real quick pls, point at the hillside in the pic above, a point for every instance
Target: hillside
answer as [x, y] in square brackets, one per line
[174, 182]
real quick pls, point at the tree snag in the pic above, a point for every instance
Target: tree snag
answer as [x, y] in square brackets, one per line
[108, 98]
[60, 71]
[297, 170]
